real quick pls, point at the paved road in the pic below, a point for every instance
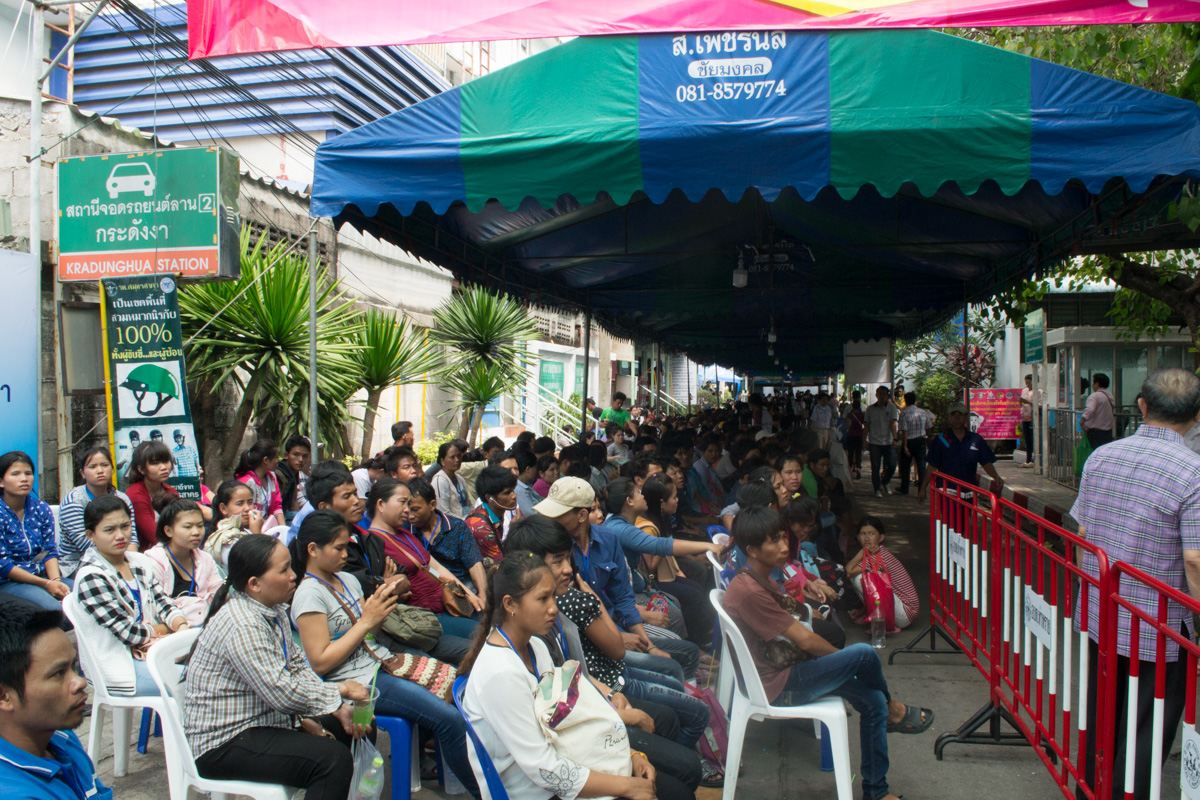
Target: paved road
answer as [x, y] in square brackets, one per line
[782, 760]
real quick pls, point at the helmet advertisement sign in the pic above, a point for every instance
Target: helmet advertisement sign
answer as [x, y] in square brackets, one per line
[147, 380]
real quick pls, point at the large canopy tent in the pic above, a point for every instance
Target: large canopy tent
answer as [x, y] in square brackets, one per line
[868, 182]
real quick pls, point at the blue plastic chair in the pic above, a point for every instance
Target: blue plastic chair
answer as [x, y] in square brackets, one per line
[713, 530]
[406, 770]
[491, 778]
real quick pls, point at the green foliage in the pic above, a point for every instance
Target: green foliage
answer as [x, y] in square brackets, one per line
[935, 394]
[426, 449]
[391, 350]
[485, 336]
[255, 333]
[940, 352]
[1159, 57]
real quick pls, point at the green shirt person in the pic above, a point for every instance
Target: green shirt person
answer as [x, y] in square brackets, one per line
[617, 414]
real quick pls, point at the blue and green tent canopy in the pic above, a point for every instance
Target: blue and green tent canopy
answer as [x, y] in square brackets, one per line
[868, 182]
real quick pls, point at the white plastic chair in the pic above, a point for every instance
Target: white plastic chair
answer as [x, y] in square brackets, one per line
[278, 532]
[121, 706]
[725, 674]
[181, 766]
[750, 703]
[716, 568]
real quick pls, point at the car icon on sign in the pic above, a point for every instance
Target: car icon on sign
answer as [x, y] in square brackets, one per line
[133, 177]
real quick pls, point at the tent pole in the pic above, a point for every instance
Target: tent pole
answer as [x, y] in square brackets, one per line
[966, 355]
[587, 365]
[312, 345]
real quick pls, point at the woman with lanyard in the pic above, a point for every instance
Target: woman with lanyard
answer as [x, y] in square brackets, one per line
[28, 554]
[121, 598]
[449, 486]
[189, 576]
[95, 467]
[388, 511]
[337, 628]
[444, 537]
[255, 710]
[506, 661]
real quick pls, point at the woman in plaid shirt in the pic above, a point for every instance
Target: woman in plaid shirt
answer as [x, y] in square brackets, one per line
[255, 710]
[127, 610]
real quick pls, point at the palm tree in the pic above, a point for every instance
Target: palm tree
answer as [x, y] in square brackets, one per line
[390, 351]
[485, 337]
[255, 334]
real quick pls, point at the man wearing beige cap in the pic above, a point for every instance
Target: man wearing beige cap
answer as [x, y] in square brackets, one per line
[960, 453]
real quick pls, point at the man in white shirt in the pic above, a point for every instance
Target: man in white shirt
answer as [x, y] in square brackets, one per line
[822, 419]
[882, 420]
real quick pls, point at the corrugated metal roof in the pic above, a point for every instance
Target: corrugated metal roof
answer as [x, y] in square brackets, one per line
[327, 91]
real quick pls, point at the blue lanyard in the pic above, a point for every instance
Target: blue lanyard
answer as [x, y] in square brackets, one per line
[562, 640]
[345, 594]
[532, 658]
[283, 635]
[137, 596]
[191, 576]
[415, 532]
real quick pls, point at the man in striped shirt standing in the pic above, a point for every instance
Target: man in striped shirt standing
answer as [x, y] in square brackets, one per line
[1139, 501]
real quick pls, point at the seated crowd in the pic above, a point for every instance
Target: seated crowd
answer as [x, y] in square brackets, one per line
[317, 586]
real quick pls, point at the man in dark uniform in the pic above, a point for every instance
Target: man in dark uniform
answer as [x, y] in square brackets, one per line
[960, 453]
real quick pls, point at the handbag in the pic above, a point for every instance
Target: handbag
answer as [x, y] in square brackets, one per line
[425, 671]
[454, 597]
[877, 590]
[579, 723]
[714, 742]
[1082, 451]
[782, 653]
[413, 626]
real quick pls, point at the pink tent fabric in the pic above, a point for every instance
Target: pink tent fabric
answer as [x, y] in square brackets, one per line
[227, 27]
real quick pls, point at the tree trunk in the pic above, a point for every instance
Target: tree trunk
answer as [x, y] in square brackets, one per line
[464, 427]
[233, 444]
[476, 417]
[369, 414]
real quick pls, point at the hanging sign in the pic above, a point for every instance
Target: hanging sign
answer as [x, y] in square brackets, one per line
[144, 370]
[996, 413]
[166, 211]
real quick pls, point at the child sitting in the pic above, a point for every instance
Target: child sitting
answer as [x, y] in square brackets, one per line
[121, 598]
[875, 557]
[189, 576]
[234, 516]
[616, 441]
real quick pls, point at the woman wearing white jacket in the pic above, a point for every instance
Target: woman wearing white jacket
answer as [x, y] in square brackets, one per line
[125, 609]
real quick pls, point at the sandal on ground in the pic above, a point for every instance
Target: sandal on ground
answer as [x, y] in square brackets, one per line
[915, 720]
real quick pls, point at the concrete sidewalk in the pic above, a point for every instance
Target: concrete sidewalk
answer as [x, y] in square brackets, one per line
[1029, 489]
[782, 760]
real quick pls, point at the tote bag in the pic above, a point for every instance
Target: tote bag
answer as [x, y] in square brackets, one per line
[580, 723]
[877, 590]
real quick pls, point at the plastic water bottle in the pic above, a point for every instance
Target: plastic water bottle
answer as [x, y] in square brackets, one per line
[370, 784]
[878, 628]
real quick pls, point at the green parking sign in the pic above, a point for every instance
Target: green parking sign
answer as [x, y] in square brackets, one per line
[164, 211]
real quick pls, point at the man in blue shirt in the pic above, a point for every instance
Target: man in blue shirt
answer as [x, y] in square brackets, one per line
[960, 453]
[599, 557]
[42, 698]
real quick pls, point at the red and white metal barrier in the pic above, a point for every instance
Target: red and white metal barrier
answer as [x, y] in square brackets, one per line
[1051, 585]
[961, 528]
[1137, 603]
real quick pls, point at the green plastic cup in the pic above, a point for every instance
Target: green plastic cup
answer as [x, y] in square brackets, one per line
[364, 710]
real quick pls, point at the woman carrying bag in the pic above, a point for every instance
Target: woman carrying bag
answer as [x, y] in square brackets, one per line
[507, 663]
[337, 626]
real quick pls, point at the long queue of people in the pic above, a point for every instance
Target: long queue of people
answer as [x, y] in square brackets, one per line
[315, 587]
